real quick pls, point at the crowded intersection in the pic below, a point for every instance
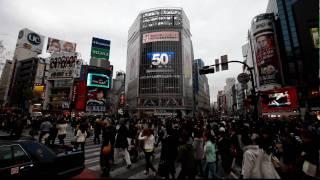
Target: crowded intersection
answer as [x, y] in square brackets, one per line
[151, 89]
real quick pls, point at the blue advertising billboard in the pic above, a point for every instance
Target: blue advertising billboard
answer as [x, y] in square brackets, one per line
[160, 58]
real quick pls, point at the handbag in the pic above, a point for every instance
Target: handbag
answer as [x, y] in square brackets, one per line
[106, 149]
[309, 169]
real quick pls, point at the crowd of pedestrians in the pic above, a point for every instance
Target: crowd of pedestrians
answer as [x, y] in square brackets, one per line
[204, 147]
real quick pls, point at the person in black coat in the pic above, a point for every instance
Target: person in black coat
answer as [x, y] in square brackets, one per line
[121, 142]
[108, 136]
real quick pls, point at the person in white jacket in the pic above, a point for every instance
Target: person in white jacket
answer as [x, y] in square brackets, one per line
[80, 138]
[62, 131]
[147, 136]
[256, 162]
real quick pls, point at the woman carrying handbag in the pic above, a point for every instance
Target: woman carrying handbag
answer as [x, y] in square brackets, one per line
[106, 153]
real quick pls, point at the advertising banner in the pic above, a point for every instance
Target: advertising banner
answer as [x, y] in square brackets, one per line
[56, 46]
[28, 39]
[98, 80]
[282, 99]
[160, 36]
[100, 48]
[40, 74]
[267, 61]
[96, 99]
[64, 66]
[80, 98]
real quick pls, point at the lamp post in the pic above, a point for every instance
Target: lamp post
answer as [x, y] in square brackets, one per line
[208, 70]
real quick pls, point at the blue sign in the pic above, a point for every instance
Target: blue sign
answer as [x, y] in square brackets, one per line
[98, 80]
[100, 43]
[160, 58]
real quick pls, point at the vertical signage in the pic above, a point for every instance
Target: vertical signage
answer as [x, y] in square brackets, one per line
[100, 48]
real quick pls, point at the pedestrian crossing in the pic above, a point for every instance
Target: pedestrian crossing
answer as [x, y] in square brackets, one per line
[119, 170]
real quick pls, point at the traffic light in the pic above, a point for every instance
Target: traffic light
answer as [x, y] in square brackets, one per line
[206, 70]
[224, 62]
[217, 65]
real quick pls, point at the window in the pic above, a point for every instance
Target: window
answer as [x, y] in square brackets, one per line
[19, 155]
[6, 157]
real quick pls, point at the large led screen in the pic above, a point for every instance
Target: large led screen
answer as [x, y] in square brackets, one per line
[160, 58]
[283, 99]
[98, 80]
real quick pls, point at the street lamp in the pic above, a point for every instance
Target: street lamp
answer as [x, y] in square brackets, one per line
[210, 69]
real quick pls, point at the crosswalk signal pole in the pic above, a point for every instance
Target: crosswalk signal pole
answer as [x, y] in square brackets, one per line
[210, 69]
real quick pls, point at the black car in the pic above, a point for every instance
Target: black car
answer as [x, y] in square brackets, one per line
[26, 157]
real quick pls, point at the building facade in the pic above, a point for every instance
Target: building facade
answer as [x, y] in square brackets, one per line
[200, 88]
[5, 82]
[297, 24]
[159, 63]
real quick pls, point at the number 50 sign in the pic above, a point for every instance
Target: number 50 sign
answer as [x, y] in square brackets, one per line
[160, 58]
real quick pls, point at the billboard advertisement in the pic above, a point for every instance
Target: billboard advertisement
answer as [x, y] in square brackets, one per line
[98, 80]
[100, 48]
[80, 98]
[160, 36]
[64, 66]
[282, 99]
[28, 39]
[56, 46]
[266, 55]
[96, 99]
[160, 58]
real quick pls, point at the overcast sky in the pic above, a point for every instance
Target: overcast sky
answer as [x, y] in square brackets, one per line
[218, 27]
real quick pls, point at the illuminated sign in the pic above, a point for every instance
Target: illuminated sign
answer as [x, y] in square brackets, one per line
[160, 58]
[98, 80]
[282, 99]
[160, 36]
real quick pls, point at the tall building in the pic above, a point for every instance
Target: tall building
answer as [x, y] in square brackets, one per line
[200, 88]
[229, 90]
[29, 76]
[117, 93]
[5, 82]
[297, 24]
[159, 63]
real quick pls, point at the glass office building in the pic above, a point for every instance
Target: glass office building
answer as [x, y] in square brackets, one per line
[159, 63]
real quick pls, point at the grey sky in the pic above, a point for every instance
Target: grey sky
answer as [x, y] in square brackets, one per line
[218, 27]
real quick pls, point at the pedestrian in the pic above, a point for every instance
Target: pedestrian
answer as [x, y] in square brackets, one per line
[210, 157]
[53, 132]
[186, 157]
[257, 162]
[107, 147]
[97, 131]
[62, 131]
[199, 151]
[121, 143]
[224, 148]
[147, 136]
[80, 138]
[45, 130]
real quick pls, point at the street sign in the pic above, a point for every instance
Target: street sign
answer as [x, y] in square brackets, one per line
[206, 70]
[243, 78]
